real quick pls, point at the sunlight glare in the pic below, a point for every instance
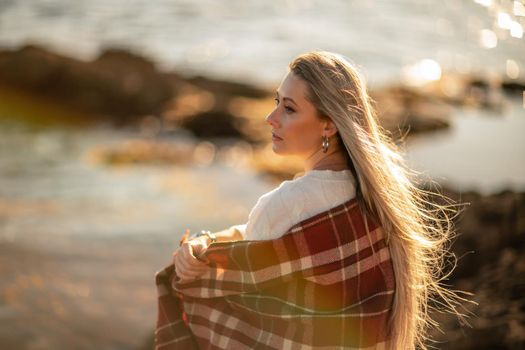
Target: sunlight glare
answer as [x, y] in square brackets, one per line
[488, 39]
[504, 20]
[519, 9]
[485, 3]
[512, 68]
[422, 72]
[516, 30]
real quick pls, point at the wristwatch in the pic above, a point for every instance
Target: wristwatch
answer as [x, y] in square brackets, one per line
[211, 235]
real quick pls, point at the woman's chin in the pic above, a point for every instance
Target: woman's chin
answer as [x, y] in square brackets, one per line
[277, 149]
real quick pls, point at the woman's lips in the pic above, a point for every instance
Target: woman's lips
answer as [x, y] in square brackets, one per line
[275, 137]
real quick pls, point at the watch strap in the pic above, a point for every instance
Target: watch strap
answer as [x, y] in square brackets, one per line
[211, 235]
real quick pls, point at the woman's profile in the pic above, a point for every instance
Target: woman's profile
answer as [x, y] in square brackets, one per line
[349, 254]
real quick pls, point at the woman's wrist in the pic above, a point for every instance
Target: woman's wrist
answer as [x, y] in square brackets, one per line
[206, 241]
[236, 233]
[210, 236]
[227, 235]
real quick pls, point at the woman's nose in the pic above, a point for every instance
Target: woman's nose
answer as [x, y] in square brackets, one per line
[270, 118]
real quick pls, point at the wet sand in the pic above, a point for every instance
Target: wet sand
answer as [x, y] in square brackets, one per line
[96, 294]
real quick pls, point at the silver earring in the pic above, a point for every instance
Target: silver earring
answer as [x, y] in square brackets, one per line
[326, 144]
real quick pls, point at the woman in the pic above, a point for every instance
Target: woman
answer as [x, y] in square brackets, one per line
[324, 115]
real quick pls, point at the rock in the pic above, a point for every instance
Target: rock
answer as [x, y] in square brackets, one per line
[499, 318]
[491, 264]
[213, 124]
[403, 110]
[484, 93]
[118, 84]
[30, 67]
[465, 90]
[228, 88]
[210, 114]
[487, 226]
[124, 87]
[514, 87]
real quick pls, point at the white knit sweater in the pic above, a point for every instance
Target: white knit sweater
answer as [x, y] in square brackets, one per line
[295, 200]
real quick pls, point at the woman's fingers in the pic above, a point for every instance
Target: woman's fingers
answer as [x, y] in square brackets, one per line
[187, 266]
[185, 275]
[182, 270]
[198, 245]
[187, 252]
[184, 254]
[174, 255]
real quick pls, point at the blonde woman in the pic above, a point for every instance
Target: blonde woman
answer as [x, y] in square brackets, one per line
[323, 115]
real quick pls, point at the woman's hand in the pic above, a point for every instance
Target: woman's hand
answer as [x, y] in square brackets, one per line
[187, 266]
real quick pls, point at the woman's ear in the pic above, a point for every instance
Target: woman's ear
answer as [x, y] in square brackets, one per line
[329, 128]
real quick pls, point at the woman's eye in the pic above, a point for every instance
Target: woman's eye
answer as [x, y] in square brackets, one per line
[288, 109]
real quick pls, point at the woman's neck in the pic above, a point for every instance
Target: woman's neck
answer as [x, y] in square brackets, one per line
[334, 159]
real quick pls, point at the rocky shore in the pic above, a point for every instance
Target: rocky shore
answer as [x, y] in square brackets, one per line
[490, 252]
[124, 88]
[127, 90]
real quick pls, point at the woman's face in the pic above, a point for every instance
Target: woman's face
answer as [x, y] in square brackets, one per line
[295, 120]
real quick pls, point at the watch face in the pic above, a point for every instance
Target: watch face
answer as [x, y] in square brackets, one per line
[195, 235]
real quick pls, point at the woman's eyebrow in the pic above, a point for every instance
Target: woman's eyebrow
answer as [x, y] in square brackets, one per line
[286, 98]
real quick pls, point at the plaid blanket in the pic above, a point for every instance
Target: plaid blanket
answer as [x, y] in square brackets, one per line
[327, 282]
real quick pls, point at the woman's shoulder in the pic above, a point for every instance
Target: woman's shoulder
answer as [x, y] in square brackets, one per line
[281, 200]
[304, 184]
[295, 199]
[285, 189]
[275, 211]
[315, 191]
[276, 197]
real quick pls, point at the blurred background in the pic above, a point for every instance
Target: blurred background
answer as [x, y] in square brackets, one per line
[122, 123]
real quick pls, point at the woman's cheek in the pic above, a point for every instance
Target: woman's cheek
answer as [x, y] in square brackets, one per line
[299, 136]
[290, 136]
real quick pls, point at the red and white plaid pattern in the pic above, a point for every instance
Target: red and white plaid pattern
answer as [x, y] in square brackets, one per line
[328, 282]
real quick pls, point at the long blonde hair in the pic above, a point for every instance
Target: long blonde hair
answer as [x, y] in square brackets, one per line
[417, 229]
